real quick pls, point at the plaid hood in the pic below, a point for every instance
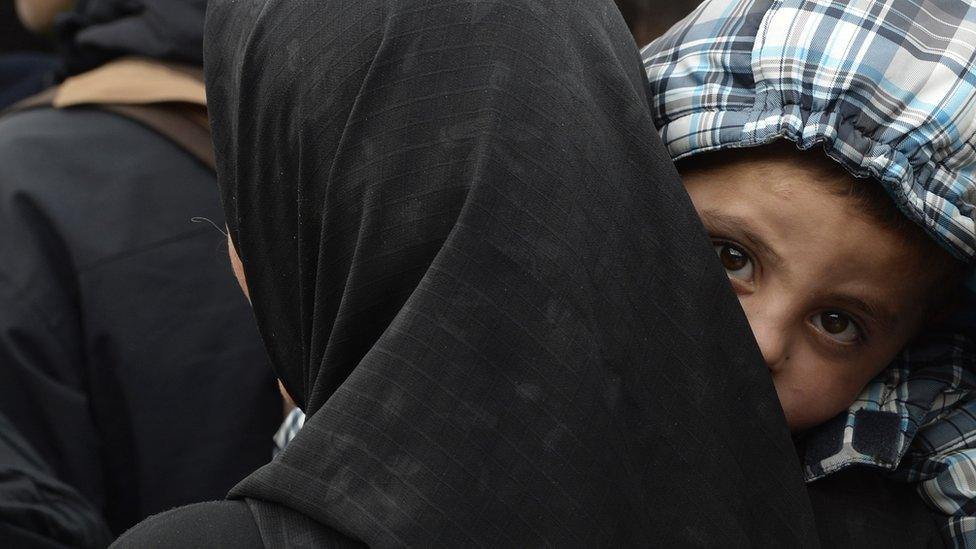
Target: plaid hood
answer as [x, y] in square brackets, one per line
[888, 88]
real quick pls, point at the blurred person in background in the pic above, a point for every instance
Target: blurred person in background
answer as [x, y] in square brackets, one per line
[129, 362]
[26, 64]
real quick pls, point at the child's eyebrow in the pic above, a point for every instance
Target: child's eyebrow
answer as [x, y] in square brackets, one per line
[729, 224]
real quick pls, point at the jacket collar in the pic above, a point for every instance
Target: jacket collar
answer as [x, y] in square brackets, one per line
[925, 382]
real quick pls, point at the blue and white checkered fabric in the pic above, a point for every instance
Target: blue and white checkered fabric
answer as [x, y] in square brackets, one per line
[288, 430]
[887, 87]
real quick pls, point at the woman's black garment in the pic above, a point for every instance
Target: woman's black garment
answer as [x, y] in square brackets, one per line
[200, 526]
[36, 509]
[474, 266]
[227, 524]
[128, 356]
[856, 508]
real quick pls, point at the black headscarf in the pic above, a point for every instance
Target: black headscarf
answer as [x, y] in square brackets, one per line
[475, 268]
[97, 31]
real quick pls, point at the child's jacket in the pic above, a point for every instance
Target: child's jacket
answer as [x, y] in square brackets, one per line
[888, 89]
[918, 420]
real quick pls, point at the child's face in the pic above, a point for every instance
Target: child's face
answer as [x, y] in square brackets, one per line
[830, 295]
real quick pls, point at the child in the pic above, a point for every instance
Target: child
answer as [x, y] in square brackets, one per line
[834, 276]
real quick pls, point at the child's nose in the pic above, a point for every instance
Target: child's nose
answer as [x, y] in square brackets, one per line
[773, 338]
[773, 350]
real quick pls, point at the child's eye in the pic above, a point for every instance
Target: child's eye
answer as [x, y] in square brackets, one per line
[837, 325]
[737, 263]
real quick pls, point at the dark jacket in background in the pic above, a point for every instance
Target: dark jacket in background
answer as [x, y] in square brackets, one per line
[36, 509]
[24, 74]
[128, 357]
[97, 31]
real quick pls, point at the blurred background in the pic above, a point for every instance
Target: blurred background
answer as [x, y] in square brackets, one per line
[28, 61]
[644, 22]
[649, 18]
[13, 35]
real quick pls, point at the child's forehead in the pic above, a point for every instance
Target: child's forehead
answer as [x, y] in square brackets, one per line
[780, 161]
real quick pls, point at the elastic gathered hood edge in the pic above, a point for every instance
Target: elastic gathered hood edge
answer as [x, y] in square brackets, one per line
[734, 93]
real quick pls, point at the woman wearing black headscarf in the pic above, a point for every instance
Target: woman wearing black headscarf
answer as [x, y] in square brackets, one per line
[475, 268]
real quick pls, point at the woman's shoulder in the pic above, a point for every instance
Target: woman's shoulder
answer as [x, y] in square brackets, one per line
[209, 524]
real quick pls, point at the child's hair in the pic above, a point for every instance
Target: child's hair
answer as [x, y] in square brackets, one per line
[868, 197]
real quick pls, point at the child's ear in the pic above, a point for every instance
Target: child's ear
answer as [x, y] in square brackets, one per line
[947, 292]
[941, 313]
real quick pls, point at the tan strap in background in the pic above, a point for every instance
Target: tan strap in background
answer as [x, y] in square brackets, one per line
[167, 98]
[182, 124]
[134, 80]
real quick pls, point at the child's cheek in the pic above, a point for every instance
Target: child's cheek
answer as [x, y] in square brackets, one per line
[809, 400]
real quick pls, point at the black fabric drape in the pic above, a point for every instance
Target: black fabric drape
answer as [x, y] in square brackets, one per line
[474, 266]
